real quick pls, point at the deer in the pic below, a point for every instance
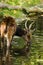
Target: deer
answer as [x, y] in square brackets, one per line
[26, 34]
[9, 28]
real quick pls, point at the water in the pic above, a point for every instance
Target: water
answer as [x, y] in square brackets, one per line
[36, 52]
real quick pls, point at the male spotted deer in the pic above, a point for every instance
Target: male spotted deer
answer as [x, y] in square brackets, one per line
[26, 34]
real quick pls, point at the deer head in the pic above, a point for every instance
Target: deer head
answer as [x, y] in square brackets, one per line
[28, 35]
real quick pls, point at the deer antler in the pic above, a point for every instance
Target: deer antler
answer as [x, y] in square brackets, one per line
[31, 25]
[26, 25]
[29, 28]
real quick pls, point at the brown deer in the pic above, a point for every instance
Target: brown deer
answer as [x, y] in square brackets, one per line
[8, 29]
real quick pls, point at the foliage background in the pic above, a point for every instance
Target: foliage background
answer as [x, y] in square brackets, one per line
[23, 3]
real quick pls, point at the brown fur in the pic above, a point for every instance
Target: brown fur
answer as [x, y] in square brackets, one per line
[7, 29]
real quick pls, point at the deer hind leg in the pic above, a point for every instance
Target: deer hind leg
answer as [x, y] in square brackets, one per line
[9, 38]
[2, 39]
[2, 29]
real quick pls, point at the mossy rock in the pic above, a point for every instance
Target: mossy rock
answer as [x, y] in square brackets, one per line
[18, 42]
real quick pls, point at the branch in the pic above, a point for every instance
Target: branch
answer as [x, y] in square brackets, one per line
[3, 5]
[32, 11]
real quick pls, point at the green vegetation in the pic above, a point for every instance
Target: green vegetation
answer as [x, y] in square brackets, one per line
[17, 13]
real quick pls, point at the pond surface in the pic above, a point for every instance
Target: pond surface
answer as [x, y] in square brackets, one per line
[36, 52]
